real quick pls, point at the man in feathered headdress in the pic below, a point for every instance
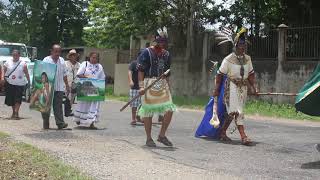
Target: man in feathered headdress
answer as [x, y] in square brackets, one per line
[238, 69]
[152, 63]
[233, 78]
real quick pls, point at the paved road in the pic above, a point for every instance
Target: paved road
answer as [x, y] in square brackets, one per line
[281, 150]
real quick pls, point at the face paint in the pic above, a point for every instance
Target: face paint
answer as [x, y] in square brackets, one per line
[158, 49]
[241, 49]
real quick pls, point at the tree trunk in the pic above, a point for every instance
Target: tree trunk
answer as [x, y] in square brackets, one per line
[62, 5]
[190, 32]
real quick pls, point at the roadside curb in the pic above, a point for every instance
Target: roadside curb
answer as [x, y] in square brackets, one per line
[255, 118]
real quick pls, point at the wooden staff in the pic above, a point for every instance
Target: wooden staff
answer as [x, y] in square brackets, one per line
[274, 94]
[150, 86]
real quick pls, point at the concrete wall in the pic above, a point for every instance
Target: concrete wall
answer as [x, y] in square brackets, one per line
[121, 86]
[108, 57]
[289, 77]
[109, 61]
[191, 78]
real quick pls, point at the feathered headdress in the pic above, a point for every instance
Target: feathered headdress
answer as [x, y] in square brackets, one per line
[226, 35]
[161, 35]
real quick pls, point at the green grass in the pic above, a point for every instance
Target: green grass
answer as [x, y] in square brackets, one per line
[3, 135]
[23, 161]
[287, 111]
[261, 108]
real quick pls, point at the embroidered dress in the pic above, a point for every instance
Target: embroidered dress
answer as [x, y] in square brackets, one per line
[87, 113]
[157, 100]
[237, 70]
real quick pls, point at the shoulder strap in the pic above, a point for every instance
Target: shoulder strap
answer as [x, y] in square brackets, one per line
[85, 68]
[14, 69]
[150, 61]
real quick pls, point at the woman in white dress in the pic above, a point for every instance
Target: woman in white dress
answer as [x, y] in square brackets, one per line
[88, 113]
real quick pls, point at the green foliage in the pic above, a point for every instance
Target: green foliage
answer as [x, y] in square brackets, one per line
[253, 13]
[112, 21]
[42, 23]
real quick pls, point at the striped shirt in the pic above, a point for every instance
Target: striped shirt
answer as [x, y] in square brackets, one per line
[60, 74]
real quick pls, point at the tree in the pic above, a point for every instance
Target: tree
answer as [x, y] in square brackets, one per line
[3, 20]
[114, 21]
[302, 12]
[41, 23]
[253, 13]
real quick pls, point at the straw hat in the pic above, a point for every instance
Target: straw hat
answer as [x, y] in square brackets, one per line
[72, 52]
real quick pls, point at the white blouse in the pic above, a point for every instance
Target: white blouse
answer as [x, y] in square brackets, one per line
[17, 77]
[94, 71]
[231, 67]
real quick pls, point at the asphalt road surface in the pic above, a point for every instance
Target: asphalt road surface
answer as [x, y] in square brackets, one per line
[281, 150]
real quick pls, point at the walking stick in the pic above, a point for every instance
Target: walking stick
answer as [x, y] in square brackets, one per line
[276, 94]
[150, 86]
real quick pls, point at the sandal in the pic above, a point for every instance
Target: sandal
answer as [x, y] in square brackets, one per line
[225, 138]
[246, 141]
[164, 140]
[133, 123]
[151, 143]
[93, 127]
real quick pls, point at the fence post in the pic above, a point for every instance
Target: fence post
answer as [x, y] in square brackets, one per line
[282, 38]
[282, 33]
[132, 42]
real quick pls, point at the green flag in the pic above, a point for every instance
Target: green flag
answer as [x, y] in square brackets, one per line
[308, 99]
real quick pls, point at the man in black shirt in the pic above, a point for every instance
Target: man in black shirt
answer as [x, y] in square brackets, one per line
[134, 90]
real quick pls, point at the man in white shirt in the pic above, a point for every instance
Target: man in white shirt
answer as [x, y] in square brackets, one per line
[61, 84]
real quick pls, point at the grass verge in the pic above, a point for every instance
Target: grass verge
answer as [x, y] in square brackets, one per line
[23, 161]
[262, 108]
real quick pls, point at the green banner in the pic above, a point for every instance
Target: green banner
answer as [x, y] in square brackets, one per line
[91, 89]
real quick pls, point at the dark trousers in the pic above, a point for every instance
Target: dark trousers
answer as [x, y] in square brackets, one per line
[57, 111]
[67, 107]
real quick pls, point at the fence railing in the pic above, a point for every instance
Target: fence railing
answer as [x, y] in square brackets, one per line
[303, 43]
[264, 46]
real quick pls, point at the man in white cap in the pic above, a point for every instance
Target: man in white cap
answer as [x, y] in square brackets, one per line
[72, 67]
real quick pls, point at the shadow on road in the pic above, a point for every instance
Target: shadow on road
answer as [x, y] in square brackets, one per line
[11, 119]
[52, 134]
[311, 165]
[233, 142]
[88, 128]
[160, 148]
